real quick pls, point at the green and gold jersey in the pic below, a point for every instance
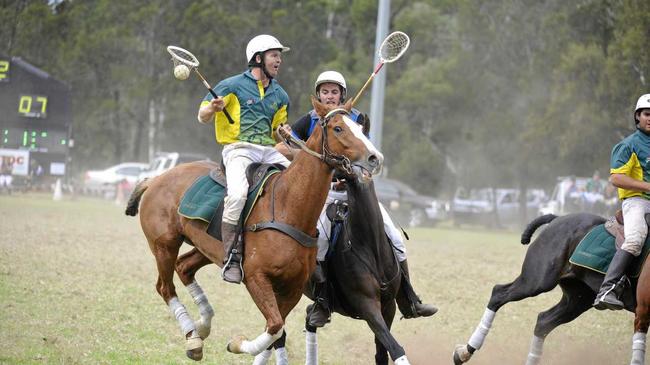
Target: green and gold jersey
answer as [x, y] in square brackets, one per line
[255, 113]
[631, 157]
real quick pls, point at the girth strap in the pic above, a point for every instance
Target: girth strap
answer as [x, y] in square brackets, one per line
[302, 237]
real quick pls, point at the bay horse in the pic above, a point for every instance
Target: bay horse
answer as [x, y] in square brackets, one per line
[276, 266]
[547, 265]
[364, 279]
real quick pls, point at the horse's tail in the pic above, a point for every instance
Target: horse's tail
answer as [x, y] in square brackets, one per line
[134, 199]
[533, 225]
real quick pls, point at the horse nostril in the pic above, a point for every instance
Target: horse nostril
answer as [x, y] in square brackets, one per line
[373, 160]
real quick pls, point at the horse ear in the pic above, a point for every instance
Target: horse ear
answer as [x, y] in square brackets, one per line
[365, 123]
[319, 107]
[348, 106]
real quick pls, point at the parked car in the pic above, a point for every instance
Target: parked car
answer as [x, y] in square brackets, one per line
[164, 161]
[493, 207]
[408, 207]
[104, 181]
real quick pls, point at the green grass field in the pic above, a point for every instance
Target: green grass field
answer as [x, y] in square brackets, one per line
[77, 286]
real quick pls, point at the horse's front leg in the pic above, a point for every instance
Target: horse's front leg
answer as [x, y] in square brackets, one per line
[384, 340]
[261, 290]
[281, 357]
[642, 317]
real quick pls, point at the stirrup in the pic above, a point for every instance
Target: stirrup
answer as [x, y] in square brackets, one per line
[229, 266]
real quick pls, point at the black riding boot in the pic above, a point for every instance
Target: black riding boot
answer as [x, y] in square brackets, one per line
[408, 302]
[614, 283]
[232, 246]
[318, 314]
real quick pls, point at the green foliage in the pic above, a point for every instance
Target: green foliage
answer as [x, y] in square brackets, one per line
[509, 92]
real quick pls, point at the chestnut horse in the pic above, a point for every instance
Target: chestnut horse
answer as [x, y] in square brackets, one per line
[276, 266]
[547, 265]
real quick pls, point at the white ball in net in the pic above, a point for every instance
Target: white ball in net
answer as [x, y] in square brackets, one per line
[181, 72]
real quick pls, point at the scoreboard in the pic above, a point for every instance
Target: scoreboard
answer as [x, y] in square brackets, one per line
[35, 115]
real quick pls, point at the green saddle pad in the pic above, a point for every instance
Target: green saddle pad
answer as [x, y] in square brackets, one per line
[205, 195]
[597, 249]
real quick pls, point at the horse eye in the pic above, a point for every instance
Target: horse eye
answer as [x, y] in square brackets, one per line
[338, 129]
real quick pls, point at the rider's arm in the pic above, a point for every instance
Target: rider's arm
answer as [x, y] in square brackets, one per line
[625, 182]
[206, 111]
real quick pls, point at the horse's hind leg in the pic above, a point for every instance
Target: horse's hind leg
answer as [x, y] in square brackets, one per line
[186, 267]
[533, 280]
[165, 250]
[577, 298]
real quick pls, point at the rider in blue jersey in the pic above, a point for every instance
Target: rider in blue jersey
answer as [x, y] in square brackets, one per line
[331, 89]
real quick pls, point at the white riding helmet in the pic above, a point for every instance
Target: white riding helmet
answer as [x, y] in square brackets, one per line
[263, 43]
[642, 103]
[333, 77]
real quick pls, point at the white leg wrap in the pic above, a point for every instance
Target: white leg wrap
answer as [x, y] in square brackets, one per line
[311, 342]
[262, 358]
[201, 300]
[260, 343]
[183, 318]
[638, 349]
[281, 356]
[535, 353]
[476, 341]
[402, 361]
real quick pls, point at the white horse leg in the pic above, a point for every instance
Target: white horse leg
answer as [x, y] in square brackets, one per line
[536, 349]
[311, 356]
[638, 348]
[193, 343]
[239, 344]
[262, 358]
[402, 360]
[204, 324]
[463, 353]
[281, 357]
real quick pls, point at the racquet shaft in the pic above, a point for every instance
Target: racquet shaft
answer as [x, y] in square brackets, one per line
[372, 76]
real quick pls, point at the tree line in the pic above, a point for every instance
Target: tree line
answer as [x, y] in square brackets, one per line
[491, 93]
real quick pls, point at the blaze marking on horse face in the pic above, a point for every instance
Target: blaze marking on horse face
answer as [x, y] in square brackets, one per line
[357, 130]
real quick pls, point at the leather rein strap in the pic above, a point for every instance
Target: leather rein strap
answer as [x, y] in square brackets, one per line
[336, 161]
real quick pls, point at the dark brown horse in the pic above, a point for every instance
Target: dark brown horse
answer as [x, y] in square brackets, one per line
[546, 266]
[276, 266]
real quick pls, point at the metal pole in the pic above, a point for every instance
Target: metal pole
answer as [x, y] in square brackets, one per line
[379, 83]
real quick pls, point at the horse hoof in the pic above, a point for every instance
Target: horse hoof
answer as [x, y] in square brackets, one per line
[234, 345]
[461, 355]
[194, 348]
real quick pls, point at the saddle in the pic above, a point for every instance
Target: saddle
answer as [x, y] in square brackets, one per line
[615, 226]
[255, 174]
[597, 248]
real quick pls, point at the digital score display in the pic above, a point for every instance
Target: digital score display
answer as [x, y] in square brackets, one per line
[35, 112]
[50, 140]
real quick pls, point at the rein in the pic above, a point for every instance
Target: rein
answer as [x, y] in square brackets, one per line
[335, 161]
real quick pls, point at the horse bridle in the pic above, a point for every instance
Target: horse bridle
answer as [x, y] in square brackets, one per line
[333, 160]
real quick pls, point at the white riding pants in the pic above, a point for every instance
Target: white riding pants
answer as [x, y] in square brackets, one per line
[325, 226]
[236, 157]
[636, 228]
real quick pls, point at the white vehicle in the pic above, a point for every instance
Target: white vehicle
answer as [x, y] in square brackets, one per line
[103, 181]
[164, 161]
[493, 207]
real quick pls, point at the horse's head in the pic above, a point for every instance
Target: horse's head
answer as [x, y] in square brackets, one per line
[344, 146]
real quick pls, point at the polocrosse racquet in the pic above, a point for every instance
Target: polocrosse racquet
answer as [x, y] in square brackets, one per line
[391, 49]
[182, 56]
